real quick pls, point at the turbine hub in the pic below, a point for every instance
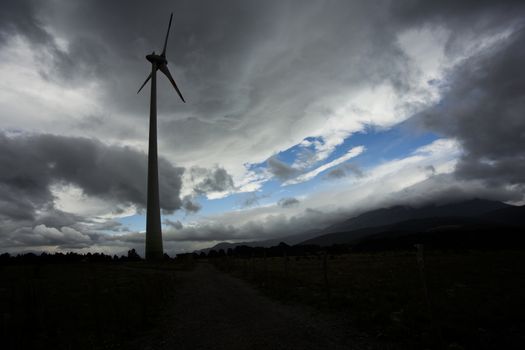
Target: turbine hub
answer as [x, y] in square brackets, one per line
[156, 59]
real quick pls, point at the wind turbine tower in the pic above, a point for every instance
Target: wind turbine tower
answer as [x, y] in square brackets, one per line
[154, 250]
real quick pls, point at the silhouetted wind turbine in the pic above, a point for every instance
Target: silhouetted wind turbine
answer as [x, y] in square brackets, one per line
[154, 249]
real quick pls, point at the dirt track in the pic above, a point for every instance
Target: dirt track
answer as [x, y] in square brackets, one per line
[213, 310]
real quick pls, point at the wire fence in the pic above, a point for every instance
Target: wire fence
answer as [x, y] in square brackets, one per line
[434, 298]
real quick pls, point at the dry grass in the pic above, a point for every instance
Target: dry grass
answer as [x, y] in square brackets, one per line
[81, 306]
[476, 298]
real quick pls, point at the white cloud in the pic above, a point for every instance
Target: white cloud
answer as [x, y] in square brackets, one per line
[31, 102]
[72, 199]
[425, 47]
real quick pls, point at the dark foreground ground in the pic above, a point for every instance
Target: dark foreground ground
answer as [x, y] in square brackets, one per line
[473, 300]
[217, 311]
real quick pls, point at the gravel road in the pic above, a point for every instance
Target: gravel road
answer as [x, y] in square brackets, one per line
[213, 310]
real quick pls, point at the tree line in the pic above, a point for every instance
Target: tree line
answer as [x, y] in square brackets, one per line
[70, 257]
[241, 251]
[280, 250]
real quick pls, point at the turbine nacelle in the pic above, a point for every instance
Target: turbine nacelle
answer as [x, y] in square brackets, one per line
[156, 59]
[161, 63]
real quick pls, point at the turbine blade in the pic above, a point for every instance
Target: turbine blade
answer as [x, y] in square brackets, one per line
[163, 54]
[148, 78]
[164, 69]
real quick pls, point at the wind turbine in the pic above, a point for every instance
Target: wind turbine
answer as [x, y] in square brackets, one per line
[154, 250]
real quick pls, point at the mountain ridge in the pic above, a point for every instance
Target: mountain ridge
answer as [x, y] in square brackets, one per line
[506, 216]
[372, 221]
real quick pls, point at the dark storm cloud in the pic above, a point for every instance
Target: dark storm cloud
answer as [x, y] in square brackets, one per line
[177, 225]
[336, 173]
[30, 164]
[52, 217]
[250, 200]
[84, 58]
[213, 180]
[20, 17]
[108, 41]
[230, 58]
[288, 202]
[281, 170]
[458, 15]
[190, 205]
[107, 225]
[430, 169]
[227, 69]
[345, 170]
[483, 106]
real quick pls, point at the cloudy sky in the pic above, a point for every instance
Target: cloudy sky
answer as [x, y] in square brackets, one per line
[298, 114]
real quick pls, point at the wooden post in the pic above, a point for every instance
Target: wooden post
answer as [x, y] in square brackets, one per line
[422, 275]
[285, 267]
[265, 280]
[325, 273]
[421, 267]
[253, 266]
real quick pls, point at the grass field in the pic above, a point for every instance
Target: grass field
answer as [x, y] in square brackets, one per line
[475, 299]
[83, 305]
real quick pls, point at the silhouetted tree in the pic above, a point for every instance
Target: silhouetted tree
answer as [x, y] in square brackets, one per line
[5, 258]
[133, 256]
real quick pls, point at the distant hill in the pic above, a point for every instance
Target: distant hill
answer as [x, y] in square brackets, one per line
[387, 216]
[290, 240]
[407, 226]
[408, 219]
[472, 233]
[399, 219]
[510, 215]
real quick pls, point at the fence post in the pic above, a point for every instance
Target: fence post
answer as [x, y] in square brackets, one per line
[325, 273]
[285, 268]
[422, 275]
[253, 266]
[265, 280]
